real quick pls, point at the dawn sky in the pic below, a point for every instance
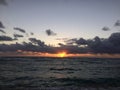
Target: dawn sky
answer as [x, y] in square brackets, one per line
[53, 21]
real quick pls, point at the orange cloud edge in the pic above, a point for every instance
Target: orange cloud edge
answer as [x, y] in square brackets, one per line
[61, 54]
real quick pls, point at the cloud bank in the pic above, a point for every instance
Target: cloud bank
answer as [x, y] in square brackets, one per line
[110, 45]
[97, 45]
[5, 38]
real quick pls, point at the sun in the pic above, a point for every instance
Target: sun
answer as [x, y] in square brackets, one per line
[61, 54]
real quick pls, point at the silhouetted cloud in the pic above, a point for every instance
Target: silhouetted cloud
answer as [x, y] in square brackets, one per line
[81, 41]
[17, 35]
[117, 23]
[110, 45]
[1, 25]
[2, 31]
[96, 45]
[70, 41]
[73, 49]
[5, 38]
[38, 42]
[26, 46]
[16, 46]
[3, 2]
[31, 33]
[105, 28]
[115, 39]
[19, 29]
[61, 44]
[50, 32]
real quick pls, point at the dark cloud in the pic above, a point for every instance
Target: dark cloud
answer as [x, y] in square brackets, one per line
[61, 44]
[72, 49]
[19, 29]
[5, 38]
[81, 41]
[2, 31]
[115, 39]
[110, 45]
[70, 41]
[1, 25]
[26, 46]
[15, 47]
[96, 45]
[31, 33]
[105, 28]
[117, 23]
[3, 2]
[17, 35]
[38, 42]
[50, 32]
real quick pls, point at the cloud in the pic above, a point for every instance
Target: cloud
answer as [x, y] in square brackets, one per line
[19, 29]
[70, 41]
[31, 33]
[97, 45]
[115, 39]
[38, 42]
[14, 47]
[26, 46]
[81, 41]
[1, 25]
[72, 49]
[3, 2]
[105, 28]
[2, 31]
[61, 44]
[5, 38]
[110, 45]
[17, 35]
[117, 23]
[50, 32]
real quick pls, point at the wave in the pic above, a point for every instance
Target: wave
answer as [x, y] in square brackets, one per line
[62, 69]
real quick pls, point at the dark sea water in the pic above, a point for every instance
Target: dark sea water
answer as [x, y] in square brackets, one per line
[23, 73]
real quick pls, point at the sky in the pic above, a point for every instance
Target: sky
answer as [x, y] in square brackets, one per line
[60, 25]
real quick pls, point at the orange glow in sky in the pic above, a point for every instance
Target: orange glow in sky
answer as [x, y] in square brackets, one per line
[61, 54]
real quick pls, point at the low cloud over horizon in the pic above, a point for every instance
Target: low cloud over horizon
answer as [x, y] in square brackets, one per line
[97, 45]
[109, 45]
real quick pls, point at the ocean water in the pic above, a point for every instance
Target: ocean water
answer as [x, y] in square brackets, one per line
[21, 73]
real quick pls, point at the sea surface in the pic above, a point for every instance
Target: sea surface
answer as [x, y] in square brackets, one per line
[37, 73]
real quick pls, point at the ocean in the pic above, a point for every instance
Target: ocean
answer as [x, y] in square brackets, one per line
[42, 73]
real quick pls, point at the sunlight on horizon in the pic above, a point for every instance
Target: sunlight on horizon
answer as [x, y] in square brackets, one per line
[62, 54]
